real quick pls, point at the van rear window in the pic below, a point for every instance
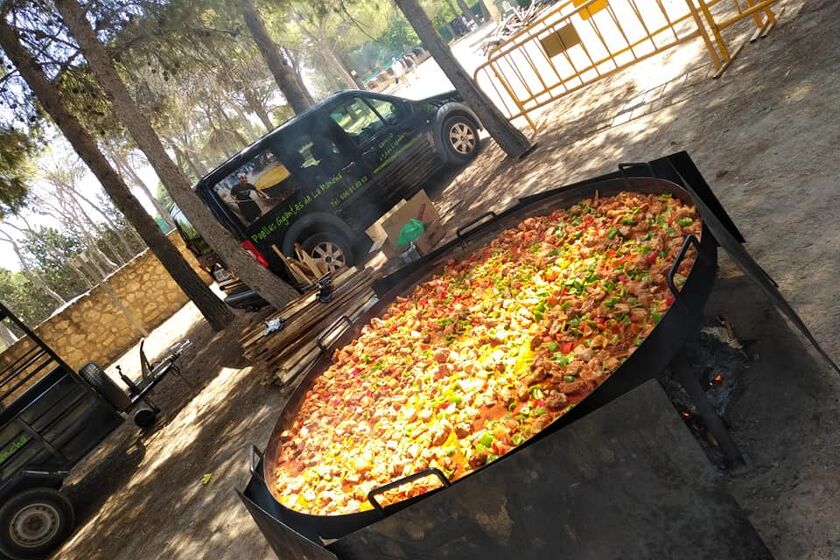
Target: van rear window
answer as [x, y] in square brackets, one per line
[255, 187]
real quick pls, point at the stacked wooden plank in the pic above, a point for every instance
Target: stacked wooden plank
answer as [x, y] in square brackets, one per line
[515, 21]
[291, 350]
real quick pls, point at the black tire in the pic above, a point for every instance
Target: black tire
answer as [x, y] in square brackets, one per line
[34, 522]
[461, 144]
[145, 418]
[325, 246]
[105, 386]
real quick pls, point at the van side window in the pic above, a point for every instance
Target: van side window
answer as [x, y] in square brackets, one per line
[256, 187]
[314, 158]
[358, 120]
[386, 109]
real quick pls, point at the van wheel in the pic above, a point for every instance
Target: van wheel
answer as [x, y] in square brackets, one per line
[34, 522]
[331, 251]
[460, 139]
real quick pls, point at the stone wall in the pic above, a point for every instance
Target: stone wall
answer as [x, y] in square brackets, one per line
[93, 328]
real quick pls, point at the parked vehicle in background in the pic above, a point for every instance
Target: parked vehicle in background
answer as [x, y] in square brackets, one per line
[51, 417]
[321, 179]
[237, 294]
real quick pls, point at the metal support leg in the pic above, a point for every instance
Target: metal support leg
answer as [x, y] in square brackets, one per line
[150, 404]
[177, 371]
[688, 379]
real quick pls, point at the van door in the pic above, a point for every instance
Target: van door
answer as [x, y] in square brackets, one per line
[396, 150]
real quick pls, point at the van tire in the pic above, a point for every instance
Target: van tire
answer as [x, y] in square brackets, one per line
[461, 143]
[329, 248]
[105, 386]
[38, 506]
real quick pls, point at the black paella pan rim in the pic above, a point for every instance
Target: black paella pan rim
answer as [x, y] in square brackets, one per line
[649, 359]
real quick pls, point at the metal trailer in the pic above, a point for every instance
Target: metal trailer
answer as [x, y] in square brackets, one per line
[50, 418]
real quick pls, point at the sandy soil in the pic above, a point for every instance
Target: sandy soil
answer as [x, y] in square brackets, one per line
[766, 137]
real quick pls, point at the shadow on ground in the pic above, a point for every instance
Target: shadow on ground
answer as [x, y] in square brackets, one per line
[136, 479]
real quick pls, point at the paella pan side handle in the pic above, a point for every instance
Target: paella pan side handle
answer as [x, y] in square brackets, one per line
[402, 481]
[624, 167]
[254, 458]
[473, 224]
[690, 240]
[334, 325]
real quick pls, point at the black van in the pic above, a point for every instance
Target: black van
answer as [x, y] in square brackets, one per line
[322, 178]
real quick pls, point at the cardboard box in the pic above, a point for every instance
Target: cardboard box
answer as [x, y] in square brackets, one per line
[386, 230]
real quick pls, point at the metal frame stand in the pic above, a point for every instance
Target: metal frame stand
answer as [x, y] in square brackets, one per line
[735, 459]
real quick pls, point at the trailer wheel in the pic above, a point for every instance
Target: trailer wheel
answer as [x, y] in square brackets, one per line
[145, 417]
[34, 522]
[105, 386]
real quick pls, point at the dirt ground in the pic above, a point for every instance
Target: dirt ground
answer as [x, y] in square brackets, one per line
[767, 138]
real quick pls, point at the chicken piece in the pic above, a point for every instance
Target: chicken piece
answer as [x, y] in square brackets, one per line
[584, 353]
[556, 400]
[441, 355]
[463, 429]
[478, 460]
[572, 388]
[598, 341]
[439, 435]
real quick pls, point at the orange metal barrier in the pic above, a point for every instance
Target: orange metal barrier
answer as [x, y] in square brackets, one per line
[759, 10]
[578, 42]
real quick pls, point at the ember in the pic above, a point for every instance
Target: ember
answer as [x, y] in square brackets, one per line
[718, 360]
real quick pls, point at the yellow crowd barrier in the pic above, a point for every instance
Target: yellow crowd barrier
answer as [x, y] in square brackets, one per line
[577, 42]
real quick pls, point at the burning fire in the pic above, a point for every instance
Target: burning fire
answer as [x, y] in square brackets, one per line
[716, 380]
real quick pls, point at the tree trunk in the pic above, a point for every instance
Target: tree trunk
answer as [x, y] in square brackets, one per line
[81, 274]
[256, 106]
[141, 184]
[216, 312]
[329, 54]
[344, 62]
[297, 75]
[130, 253]
[193, 153]
[261, 280]
[466, 11]
[30, 273]
[509, 138]
[231, 126]
[125, 169]
[91, 240]
[490, 11]
[246, 122]
[188, 161]
[448, 27]
[297, 96]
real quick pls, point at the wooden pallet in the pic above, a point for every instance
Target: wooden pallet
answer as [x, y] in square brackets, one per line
[288, 352]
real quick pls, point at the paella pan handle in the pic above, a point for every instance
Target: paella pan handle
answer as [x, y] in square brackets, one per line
[624, 167]
[471, 225]
[254, 458]
[689, 240]
[405, 480]
[334, 325]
